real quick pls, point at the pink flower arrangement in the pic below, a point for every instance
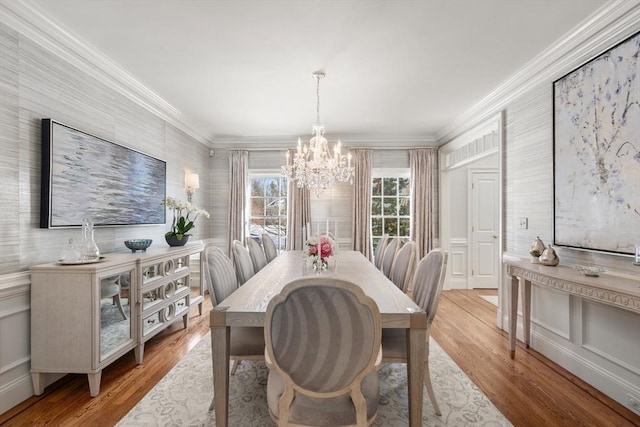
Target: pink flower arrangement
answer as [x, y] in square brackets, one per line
[326, 246]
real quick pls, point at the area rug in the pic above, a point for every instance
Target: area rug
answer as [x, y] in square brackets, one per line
[183, 396]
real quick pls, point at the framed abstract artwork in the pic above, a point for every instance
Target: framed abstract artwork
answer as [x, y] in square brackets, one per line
[596, 139]
[84, 176]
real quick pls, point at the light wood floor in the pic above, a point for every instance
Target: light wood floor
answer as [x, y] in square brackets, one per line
[530, 390]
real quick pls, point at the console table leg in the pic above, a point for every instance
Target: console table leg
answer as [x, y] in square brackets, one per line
[526, 311]
[513, 316]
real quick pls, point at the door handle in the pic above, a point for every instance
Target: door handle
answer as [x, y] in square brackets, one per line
[495, 236]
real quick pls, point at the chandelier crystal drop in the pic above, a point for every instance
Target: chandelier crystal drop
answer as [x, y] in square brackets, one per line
[316, 166]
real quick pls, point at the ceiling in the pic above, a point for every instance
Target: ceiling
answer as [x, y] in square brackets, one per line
[403, 70]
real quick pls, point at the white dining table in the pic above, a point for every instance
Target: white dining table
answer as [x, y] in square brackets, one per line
[247, 306]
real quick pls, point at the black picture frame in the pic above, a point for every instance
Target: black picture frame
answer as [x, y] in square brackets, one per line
[87, 176]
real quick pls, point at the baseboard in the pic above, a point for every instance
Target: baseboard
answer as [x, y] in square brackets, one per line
[15, 392]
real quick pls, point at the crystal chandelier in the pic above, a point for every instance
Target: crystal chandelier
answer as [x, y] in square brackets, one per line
[316, 166]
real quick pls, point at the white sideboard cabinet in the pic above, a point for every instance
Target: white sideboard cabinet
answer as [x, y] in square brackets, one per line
[85, 316]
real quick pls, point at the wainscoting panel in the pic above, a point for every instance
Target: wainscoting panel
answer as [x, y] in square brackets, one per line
[457, 264]
[15, 378]
[621, 348]
[551, 310]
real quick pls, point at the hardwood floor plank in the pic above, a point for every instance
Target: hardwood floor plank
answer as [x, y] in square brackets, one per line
[530, 390]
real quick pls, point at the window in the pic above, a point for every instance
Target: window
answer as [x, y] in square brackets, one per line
[390, 207]
[268, 208]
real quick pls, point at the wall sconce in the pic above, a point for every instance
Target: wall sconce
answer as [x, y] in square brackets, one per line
[192, 182]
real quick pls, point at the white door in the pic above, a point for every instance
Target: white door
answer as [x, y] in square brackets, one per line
[485, 220]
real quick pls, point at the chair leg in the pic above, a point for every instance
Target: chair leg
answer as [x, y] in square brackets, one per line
[119, 304]
[236, 363]
[432, 396]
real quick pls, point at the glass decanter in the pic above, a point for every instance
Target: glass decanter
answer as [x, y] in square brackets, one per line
[88, 249]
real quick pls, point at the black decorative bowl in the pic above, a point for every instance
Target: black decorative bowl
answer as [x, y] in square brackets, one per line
[138, 244]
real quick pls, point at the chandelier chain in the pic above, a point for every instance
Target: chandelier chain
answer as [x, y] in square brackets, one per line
[317, 98]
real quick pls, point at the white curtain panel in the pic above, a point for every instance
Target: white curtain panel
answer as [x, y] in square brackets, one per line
[424, 204]
[361, 224]
[298, 214]
[238, 183]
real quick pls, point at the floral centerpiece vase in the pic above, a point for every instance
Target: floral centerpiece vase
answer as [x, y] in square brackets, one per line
[184, 218]
[319, 250]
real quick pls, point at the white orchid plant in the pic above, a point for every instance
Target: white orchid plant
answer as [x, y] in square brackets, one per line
[184, 217]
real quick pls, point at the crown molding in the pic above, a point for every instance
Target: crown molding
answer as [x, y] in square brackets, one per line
[611, 24]
[284, 142]
[28, 20]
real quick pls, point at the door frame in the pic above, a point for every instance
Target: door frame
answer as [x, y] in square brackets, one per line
[471, 145]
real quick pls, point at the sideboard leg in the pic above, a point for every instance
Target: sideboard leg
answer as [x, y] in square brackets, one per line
[38, 380]
[138, 351]
[94, 383]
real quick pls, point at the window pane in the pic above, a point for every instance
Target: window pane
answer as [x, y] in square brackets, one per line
[257, 206]
[403, 187]
[404, 207]
[284, 187]
[376, 206]
[273, 207]
[272, 187]
[377, 187]
[390, 206]
[404, 227]
[376, 226]
[256, 227]
[257, 186]
[390, 186]
[391, 226]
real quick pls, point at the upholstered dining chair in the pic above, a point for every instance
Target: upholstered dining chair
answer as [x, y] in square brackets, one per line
[403, 266]
[270, 250]
[379, 253]
[258, 258]
[242, 261]
[389, 255]
[111, 288]
[427, 288]
[246, 343]
[322, 338]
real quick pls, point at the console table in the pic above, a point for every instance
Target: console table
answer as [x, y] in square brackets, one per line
[607, 289]
[79, 323]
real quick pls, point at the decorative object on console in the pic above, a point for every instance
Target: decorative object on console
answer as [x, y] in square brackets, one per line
[316, 166]
[549, 257]
[138, 244]
[536, 250]
[319, 251]
[192, 182]
[71, 254]
[637, 261]
[593, 271]
[184, 217]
